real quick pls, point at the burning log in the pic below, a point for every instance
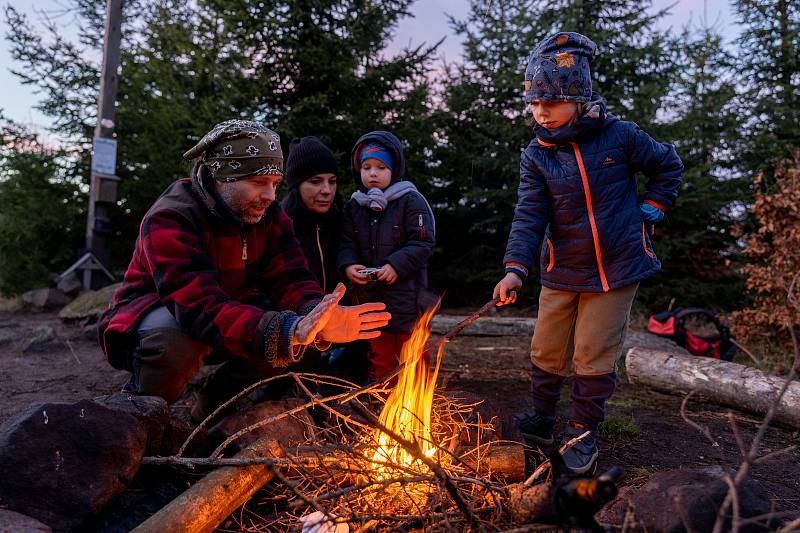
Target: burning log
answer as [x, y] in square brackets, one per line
[739, 386]
[209, 501]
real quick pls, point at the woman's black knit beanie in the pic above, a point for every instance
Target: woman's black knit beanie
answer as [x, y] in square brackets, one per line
[307, 158]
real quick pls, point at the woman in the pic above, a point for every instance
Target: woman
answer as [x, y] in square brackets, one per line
[315, 207]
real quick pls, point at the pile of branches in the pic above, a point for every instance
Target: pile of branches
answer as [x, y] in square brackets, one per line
[336, 477]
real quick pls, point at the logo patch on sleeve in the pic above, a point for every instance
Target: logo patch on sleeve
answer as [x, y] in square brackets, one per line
[608, 161]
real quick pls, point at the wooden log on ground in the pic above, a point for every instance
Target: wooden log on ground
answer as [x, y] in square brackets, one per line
[486, 326]
[212, 499]
[502, 461]
[732, 384]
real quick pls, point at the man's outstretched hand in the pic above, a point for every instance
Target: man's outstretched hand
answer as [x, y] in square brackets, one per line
[336, 323]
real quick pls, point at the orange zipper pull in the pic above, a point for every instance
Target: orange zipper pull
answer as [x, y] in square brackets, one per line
[244, 249]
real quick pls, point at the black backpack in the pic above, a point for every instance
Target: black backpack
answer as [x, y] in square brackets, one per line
[671, 324]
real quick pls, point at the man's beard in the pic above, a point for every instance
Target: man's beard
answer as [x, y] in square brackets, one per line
[230, 195]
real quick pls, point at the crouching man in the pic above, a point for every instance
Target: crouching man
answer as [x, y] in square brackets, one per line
[217, 276]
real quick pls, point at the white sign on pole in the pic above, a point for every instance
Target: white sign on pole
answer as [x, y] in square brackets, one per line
[104, 156]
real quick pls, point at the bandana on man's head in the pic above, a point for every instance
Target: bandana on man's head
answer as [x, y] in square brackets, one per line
[239, 149]
[376, 151]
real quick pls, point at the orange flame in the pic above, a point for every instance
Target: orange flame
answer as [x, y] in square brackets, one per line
[408, 409]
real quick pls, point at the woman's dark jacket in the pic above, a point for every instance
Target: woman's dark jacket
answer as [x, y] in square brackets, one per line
[578, 201]
[401, 235]
[319, 236]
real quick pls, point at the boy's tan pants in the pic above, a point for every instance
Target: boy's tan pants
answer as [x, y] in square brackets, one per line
[582, 330]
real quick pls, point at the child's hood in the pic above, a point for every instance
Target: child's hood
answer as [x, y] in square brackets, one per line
[391, 143]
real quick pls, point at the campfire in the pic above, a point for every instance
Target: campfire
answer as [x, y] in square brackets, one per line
[407, 411]
[394, 455]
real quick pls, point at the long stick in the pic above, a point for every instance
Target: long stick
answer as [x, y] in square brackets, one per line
[461, 326]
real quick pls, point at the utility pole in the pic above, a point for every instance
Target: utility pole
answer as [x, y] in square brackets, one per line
[94, 263]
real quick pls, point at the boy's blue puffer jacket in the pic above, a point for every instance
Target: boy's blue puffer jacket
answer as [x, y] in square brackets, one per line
[578, 201]
[401, 235]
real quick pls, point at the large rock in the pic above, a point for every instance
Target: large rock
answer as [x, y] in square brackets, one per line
[39, 339]
[686, 500]
[70, 284]
[61, 462]
[89, 305]
[43, 299]
[152, 411]
[11, 522]
[176, 433]
[289, 431]
[11, 332]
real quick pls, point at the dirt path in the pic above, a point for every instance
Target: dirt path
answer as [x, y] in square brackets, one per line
[645, 431]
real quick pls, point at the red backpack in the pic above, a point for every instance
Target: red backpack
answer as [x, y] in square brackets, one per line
[671, 324]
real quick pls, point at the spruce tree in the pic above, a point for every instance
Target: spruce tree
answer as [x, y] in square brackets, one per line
[301, 67]
[43, 217]
[697, 249]
[769, 63]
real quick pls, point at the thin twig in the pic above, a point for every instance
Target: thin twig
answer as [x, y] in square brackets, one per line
[736, 435]
[72, 351]
[546, 464]
[748, 352]
[752, 454]
[734, 504]
[702, 429]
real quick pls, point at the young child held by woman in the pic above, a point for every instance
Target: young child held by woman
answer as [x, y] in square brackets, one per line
[578, 204]
[388, 235]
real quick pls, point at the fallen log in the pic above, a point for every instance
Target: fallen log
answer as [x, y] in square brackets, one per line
[743, 387]
[209, 501]
[486, 326]
[505, 462]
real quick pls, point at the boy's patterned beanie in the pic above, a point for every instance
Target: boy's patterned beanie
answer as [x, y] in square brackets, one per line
[238, 149]
[308, 157]
[376, 151]
[558, 69]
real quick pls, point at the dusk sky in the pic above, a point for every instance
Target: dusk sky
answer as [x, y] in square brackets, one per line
[428, 24]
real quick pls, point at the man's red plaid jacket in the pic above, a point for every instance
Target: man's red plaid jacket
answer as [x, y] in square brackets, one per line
[237, 287]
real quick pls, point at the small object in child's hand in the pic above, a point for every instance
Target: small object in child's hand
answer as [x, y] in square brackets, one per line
[371, 273]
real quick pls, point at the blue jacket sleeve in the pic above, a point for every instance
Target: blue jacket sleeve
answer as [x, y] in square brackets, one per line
[660, 164]
[531, 217]
[420, 240]
[348, 248]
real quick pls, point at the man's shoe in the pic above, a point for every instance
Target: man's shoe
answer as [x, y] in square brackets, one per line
[580, 458]
[536, 429]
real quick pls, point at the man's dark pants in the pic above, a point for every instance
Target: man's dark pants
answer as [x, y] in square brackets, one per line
[166, 359]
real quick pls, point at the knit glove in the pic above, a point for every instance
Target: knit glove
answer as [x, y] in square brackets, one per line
[651, 213]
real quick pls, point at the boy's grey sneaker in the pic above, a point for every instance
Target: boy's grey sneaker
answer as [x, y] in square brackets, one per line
[535, 428]
[580, 458]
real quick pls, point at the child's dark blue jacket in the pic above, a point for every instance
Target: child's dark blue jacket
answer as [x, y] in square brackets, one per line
[401, 235]
[578, 200]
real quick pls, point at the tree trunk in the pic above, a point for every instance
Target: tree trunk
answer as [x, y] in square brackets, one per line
[209, 501]
[739, 386]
